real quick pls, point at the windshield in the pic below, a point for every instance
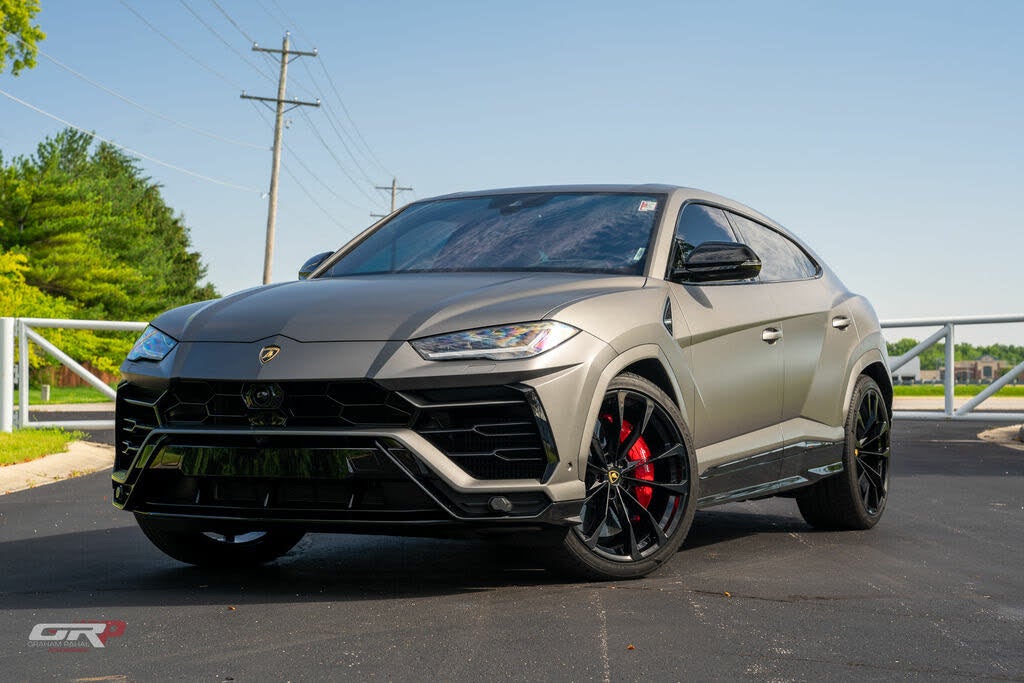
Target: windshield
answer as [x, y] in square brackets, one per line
[573, 232]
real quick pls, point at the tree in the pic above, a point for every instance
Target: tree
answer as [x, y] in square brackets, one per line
[18, 36]
[83, 233]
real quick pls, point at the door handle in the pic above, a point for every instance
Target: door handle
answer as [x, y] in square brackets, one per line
[771, 335]
[840, 322]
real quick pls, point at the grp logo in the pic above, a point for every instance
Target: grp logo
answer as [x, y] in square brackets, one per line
[72, 637]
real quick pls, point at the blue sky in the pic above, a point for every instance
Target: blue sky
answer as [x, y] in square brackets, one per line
[887, 135]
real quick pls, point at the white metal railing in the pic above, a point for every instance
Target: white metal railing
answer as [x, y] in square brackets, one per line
[23, 329]
[947, 329]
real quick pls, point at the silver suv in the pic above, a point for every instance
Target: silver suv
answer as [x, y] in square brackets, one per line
[585, 364]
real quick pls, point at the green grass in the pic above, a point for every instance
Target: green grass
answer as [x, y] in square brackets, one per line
[64, 395]
[1012, 390]
[23, 445]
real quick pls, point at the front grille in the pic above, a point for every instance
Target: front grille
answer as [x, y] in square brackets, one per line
[323, 478]
[489, 432]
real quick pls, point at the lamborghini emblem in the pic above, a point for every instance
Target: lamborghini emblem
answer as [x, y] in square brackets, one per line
[613, 477]
[269, 353]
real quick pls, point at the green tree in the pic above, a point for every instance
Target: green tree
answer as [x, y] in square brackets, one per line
[85, 234]
[18, 35]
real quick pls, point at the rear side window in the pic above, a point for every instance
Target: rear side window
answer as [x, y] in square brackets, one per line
[781, 258]
[698, 224]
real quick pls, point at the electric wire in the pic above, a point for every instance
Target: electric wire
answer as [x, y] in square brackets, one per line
[221, 38]
[302, 187]
[139, 105]
[294, 25]
[143, 155]
[233, 22]
[316, 132]
[179, 47]
[331, 119]
[334, 88]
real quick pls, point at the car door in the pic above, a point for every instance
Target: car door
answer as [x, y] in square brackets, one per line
[814, 329]
[736, 364]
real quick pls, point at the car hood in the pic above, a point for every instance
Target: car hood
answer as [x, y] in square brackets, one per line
[384, 307]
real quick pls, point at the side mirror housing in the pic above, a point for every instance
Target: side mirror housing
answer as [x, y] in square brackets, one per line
[716, 262]
[312, 264]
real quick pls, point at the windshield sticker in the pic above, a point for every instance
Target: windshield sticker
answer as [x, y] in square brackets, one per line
[648, 205]
[639, 254]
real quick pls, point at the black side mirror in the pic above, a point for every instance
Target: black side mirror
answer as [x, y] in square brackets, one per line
[312, 264]
[716, 262]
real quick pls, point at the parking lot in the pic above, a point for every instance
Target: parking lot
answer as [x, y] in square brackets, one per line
[936, 591]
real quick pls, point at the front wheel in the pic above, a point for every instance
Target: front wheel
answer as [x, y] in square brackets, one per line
[218, 548]
[856, 497]
[640, 486]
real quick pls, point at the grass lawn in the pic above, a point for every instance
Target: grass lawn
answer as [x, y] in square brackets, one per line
[1012, 390]
[64, 395]
[23, 445]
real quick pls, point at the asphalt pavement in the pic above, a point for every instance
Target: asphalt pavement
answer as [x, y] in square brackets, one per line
[935, 592]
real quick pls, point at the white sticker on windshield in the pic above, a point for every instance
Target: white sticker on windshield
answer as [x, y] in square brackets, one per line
[648, 205]
[639, 254]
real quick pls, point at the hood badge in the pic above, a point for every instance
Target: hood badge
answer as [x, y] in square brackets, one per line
[269, 353]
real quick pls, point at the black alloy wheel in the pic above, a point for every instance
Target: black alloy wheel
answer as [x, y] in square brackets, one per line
[640, 487]
[855, 498]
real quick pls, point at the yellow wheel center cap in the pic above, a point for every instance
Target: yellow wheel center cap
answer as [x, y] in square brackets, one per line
[614, 476]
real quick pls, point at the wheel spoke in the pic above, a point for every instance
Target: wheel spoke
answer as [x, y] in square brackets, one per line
[597, 450]
[634, 547]
[634, 435]
[645, 514]
[600, 520]
[675, 450]
[680, 489]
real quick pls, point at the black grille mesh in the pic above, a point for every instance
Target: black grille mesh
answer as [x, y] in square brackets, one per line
[489, 432]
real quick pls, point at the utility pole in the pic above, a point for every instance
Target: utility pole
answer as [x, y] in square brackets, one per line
[395, 189]
[280, 101]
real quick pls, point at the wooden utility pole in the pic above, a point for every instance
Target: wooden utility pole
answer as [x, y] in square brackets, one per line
[280, 102]
[395, 189]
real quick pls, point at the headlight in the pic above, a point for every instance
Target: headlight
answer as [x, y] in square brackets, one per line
[522, 340]
[152, 345]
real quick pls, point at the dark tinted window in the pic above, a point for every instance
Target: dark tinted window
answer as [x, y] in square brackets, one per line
[698, 224]
[573, 232]
[781, 259]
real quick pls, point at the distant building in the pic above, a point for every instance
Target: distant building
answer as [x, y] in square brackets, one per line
[984, 370]
[910, 373]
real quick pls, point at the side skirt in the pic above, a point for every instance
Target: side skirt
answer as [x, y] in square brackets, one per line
[770, 473]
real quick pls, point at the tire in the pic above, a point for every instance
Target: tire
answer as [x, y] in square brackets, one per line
[856, 497]
[212, 549]
[646, 478]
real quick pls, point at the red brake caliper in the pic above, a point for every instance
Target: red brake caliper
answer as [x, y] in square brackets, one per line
[639, 452]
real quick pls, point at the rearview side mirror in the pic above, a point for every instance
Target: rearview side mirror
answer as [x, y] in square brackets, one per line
[717, 262]
[312, 264]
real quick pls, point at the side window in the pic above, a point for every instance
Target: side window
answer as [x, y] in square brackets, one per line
[781, 259]
[698, 224]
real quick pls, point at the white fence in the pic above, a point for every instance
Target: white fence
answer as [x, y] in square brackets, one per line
[24, 330]
[947, 331]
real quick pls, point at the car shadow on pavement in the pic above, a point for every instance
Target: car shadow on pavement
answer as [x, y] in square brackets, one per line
[118, 567]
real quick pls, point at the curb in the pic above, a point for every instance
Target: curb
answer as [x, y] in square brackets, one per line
[82, 457]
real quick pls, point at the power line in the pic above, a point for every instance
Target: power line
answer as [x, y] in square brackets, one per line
[179, 47]
[128, 149]
[301, 163]
[221, 38]
[330, 81]
[139, 105]
[331, 119]
[312, 198]
[294, 26]
[233, 22]
[334, 156]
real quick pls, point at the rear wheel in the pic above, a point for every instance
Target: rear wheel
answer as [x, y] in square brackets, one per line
[218, 548]
[855, 498]
[640, 486]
